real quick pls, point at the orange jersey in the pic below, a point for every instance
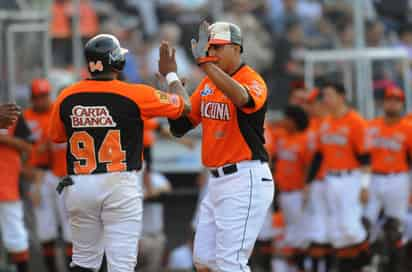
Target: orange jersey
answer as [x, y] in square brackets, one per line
[390, 146]
[292, 159]
[102, 123]
[272, 134]
[39, 125]
[230, 134]
[313, 144]
[150, 126]
[58, 159]
[342, 140]
[10, 162]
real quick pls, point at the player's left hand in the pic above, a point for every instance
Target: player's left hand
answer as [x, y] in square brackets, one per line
[167, 59]
[201, 46]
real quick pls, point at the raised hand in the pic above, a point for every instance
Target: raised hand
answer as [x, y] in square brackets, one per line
[167, 59]
[8, 114]
[201, 46]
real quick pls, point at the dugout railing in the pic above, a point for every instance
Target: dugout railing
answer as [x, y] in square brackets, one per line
[25, 49]
[361, 92]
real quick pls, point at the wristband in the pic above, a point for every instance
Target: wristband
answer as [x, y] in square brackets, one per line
[171, 77]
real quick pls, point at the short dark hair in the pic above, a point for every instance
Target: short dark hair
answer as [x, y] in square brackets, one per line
[406, 28]
[336, 85]
[298, 116]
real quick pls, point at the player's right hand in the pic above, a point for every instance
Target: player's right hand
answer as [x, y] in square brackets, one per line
[167, 59]
[8, 114]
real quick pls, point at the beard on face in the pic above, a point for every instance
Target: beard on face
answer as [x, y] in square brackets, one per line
[392, 113]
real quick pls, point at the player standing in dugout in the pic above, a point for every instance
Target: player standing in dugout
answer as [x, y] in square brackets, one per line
[390, 144]
[230, 103]
[343, 155]
[101, 119]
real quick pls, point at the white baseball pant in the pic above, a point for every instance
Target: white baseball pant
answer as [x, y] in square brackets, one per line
[14, 233]
[316, 214]
[105, 213]
[51, 212]
[390, 192]
[344, 209]
[291, 204]
[231, 216]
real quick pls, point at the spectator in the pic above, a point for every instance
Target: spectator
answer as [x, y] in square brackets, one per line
[147, 11]
[171, 32]
[284, 12]
[286, 68]
[256, 41]
[345, 36]
[89, 22]
[405, 39]
[374, 35]
[60, 29]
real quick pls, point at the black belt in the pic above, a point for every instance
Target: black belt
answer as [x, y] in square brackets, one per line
[340, 173]
[227, 170]
[66, 181]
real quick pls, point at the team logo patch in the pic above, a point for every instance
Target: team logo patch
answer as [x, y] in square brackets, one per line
[206, 91]
[91, 116]
[96, 66]
[163, 97]
[256, 88]
[215, 111]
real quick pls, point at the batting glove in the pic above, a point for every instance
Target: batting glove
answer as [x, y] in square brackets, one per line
[200, 47]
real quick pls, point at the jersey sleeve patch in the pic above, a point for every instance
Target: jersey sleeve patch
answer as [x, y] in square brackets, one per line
[258, 93]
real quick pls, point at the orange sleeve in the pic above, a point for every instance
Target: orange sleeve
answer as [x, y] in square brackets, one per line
[359, 135]
[157, 103]
[151, 124]
[195, 116]
[257, 90]
[57, 131]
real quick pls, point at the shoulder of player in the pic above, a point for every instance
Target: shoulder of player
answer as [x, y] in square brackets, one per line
[135, 92]
[28, 113]
[355, 117]
[406, 124]
[247, 73]
[375, 121]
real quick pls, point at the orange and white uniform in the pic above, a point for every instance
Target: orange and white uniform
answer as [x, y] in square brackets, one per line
[102, 124]
[233, 150]
[342, 143]
[316, 207]
[39, 126]
[292, 159]
[14, 234]
[391, 149]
